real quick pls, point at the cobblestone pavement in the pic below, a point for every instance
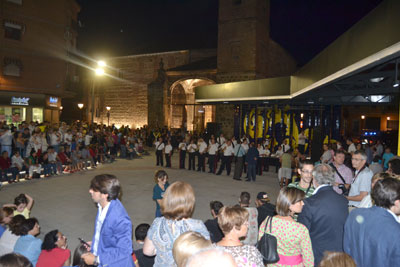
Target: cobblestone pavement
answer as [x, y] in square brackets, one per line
[63, 202]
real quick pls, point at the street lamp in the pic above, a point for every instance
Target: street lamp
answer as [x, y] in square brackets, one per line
[99, 71]
[108, 115]
[80, 106]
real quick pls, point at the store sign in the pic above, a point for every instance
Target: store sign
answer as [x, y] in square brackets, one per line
[20, 101]
[53, 101]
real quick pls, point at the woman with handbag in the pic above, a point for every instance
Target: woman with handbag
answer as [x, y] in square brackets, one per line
[233, 222]
[293, 239]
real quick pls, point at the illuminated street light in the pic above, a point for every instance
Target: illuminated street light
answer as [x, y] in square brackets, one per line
[80, 105]
[108, 115]
[61, 107]
[101, 63]
[362, 117]
[99, 71]
[388, 118]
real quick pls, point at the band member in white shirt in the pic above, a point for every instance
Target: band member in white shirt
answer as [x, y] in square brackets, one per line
[202, 154]
[221, 140]
[182, 154]
[159, 151]
[168, 153]
[212, 152]
[228, 152]
[191, 148]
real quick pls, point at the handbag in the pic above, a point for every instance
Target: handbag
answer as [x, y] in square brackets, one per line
[268, 245]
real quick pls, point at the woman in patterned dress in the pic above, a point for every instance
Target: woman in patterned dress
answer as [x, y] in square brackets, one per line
[294, 243]
[233, 222]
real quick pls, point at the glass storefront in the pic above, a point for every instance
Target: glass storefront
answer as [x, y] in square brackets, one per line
[37, 114]
[13, 115]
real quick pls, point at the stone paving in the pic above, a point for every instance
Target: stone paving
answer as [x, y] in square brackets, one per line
[63, 202]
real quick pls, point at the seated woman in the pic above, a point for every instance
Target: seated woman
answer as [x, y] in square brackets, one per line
[188, 244]
[28, 245]
[54, 250]
[34, 166]
[233, 222]
[294, 244]
[177, 207]
[11, 235]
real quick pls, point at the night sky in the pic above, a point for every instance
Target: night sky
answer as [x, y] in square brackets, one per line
[126, 27]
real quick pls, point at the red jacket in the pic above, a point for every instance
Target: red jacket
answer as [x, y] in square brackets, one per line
[5, 163]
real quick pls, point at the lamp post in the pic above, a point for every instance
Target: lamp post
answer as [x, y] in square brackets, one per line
[80, 106]
[108, 115]
[99, 71]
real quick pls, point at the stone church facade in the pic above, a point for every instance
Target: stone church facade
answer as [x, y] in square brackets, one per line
[158, 89]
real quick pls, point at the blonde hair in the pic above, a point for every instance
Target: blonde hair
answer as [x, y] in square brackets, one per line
[334, 259]
[288, 196]
[188, 244]
[178, 201]
[229, 217]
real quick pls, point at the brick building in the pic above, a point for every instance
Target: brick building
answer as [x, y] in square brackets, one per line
[158, 89]
[36, 41]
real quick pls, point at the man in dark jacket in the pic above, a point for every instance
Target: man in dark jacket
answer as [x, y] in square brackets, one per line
[264, 208]
[324, 214]
[251, 162]
[212, 224]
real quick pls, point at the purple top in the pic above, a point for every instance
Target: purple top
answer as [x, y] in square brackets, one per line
[346, 173]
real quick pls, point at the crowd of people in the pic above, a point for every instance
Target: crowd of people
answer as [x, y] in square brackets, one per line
[34, 150]
[340, 211]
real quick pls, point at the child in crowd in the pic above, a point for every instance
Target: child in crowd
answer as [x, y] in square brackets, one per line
[22, 204]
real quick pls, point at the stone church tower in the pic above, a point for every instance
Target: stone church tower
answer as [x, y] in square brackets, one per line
[245, 49]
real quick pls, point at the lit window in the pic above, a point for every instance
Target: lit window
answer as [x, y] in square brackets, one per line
[12, 30]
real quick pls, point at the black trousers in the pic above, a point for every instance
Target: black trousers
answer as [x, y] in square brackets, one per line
[168, 160]
[182, 157]
[160, 160]
[226, 163]
[212, 163]
[244, 165]
[260, 165]
[201, 162]
[192, 161]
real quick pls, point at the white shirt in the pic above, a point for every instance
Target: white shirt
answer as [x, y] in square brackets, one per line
[88, 138]
[221, 140]
[168, 149]
[54, 139]
[302, 139]
[159, 146]
[68, 138]
[285, 148]
[52, 156]
[99, 224]
[192, 148]
[6, 138]
[17, 161]
[228, 150]
[352, 148]
[182, 146]
[212, 149]
[202, 147]
[261, 152]
[246, 147]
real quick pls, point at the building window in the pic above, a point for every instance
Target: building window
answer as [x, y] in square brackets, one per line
[12, 67]
[17, 2]
[12, 30]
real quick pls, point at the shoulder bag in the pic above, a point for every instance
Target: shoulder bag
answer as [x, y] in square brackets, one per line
[268, 245]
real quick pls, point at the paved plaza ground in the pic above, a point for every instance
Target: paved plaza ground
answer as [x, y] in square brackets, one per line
[63, 202]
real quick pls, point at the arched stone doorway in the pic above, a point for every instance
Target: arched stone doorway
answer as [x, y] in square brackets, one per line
[185, 113]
